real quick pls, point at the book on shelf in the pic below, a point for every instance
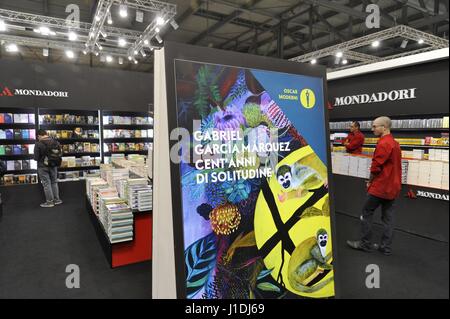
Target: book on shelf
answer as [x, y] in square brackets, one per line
[25, 150]
[8, 118]
[17, 165]
[26, 164]
[9, 134]
[2, 135]
[17, 150]
[17, 118]
[2, 150]
[18, 134]
[2, 118]
[10, 165]
[8, 150]
[26, 134]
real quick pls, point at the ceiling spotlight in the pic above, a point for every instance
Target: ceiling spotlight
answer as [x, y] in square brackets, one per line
[2, 26]
[421, 41]
[339, 54]
[174, 24]
[135, 61]
[120, 60]
[345, 61]
[97, 18]
[404, 44]
[70, 54]
[12, 48]
[376, 44]
[136, 52]
[84, 52]
[146, 42]
[160, 21]
[73, 36]
[158, 38]
[313, 61]
[123, 11]
[157, 30]
[122, 42]
[103, 33]
[44, 31]
[99, 46]
[96, 53]
[143, 53]
[109, 59]
[109, 20]
[139, 16]
[130, 58]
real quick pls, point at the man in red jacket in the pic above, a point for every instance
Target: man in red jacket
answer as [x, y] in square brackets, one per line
[383, 188]
[355, 139]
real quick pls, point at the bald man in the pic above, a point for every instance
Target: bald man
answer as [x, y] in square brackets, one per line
[383, 188]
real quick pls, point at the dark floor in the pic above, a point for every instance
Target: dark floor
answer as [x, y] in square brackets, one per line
[37, 244]
[418, 267]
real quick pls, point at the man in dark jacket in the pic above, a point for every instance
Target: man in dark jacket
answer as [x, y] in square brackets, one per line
[48, 174]
[383, 188]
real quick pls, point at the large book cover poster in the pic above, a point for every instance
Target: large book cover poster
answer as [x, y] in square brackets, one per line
[253, 179]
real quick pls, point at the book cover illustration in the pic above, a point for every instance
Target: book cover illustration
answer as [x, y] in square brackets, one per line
[254, 197]
[9, 134]
[8, 117]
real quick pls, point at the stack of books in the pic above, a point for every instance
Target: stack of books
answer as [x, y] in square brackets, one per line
[114, 175]
[134, 187]
[405, 165]
[145, 199]
[117, 219]
[445, 177]
[436, 170]
[364, 167]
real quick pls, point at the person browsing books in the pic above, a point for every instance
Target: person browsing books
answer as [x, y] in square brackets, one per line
[355, 139]
[383, 188]
[47, 153]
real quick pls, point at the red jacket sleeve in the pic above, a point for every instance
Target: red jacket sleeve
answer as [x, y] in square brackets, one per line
[356, 142]
[381, 155]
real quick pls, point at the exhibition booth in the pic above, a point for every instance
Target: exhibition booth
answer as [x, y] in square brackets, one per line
[218, 167]
[106, 136]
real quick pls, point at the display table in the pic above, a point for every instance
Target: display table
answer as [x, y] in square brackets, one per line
[126, 253]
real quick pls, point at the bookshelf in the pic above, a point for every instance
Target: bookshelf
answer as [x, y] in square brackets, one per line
[125, 133]
[424, 143]
[17, 139]
[78, 132]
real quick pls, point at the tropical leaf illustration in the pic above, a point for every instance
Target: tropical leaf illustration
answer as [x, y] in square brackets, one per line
[264, 273]
[267, 286]
[200, 260]
[207, 91]
[241, 241]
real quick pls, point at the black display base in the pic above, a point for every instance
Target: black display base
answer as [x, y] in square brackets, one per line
[422, 216]
[100, 232]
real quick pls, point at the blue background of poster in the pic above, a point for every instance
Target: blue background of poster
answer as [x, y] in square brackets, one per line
[308, 122]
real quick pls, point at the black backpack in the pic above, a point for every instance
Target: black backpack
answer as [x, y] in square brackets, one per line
[53, 154]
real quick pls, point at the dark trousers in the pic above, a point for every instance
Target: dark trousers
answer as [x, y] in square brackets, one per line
[387, 219]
